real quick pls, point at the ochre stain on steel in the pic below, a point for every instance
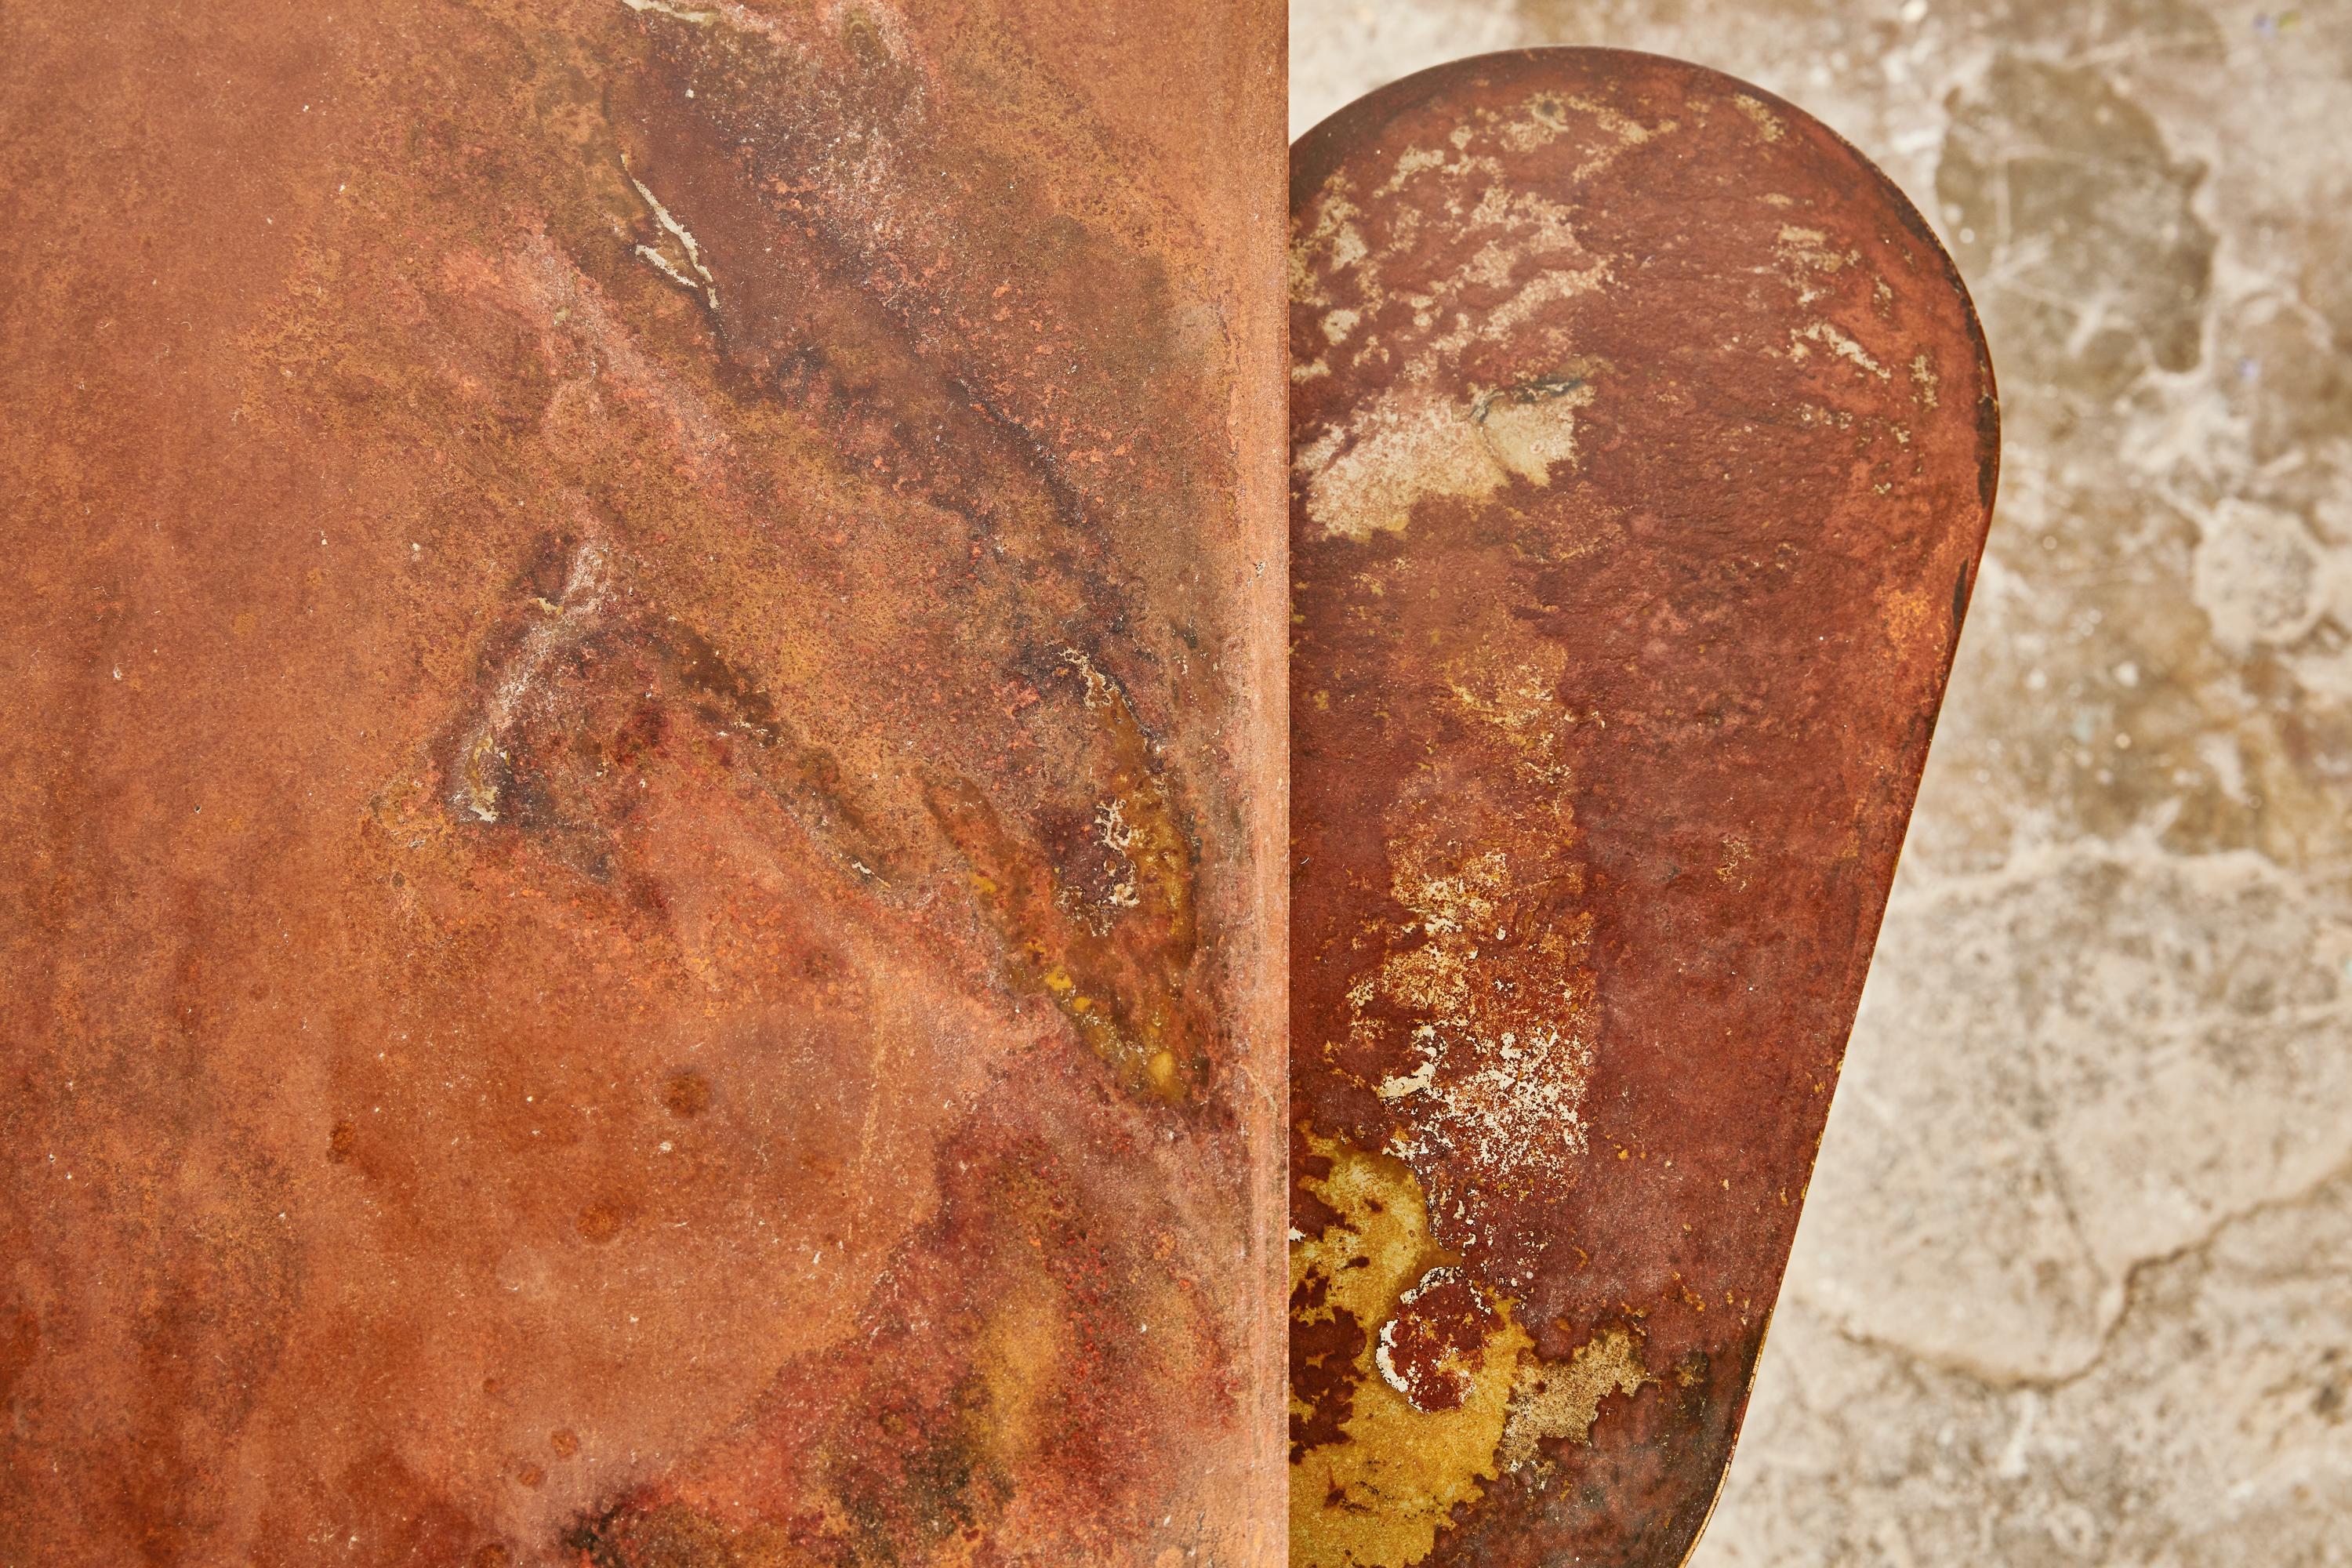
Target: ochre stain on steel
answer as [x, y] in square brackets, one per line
[643, 800]
[1642, 448]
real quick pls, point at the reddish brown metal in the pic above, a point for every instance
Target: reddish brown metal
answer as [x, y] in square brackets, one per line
[1643, 446]
[643, 800]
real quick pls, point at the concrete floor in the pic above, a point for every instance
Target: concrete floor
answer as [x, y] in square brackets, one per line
[2074, 1285]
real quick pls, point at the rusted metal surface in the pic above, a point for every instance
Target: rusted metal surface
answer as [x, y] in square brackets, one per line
[643, 800]
[1643, 443]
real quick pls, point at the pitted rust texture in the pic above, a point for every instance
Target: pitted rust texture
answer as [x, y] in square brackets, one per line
[641, 820]
[1643, 447]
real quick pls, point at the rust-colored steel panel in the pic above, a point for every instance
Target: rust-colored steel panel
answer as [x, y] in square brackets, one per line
[643, 800]
[1643, 446]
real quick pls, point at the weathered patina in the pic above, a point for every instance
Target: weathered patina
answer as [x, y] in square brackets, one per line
[643, 798]
[1643, 447]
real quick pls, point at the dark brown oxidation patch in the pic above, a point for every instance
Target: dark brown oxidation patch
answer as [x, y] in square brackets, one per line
[643, 816]
[1643, 446]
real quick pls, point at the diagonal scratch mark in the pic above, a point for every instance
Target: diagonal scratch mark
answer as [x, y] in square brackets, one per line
[663, 8]
[709, 287]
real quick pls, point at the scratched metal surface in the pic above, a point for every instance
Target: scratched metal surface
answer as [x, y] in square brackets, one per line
[643, 783]
[1643, 446]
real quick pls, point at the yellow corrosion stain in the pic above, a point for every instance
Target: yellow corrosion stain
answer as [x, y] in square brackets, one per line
[1904, 613]
[1377, 1498]
[1017, 1360]
[1117, 978]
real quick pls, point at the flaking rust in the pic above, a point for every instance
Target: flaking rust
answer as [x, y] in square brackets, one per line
[1643, 447]
[642, 812]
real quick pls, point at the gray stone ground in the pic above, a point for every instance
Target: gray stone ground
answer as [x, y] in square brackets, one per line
[2074, 1285]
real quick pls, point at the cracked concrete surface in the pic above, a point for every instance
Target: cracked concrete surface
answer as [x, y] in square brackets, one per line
[2074, 1283]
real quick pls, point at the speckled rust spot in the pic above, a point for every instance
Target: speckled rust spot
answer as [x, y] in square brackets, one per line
[1643, 446]
[642, 788]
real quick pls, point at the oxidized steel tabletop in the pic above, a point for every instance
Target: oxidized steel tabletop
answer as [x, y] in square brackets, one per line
[1642, 444]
